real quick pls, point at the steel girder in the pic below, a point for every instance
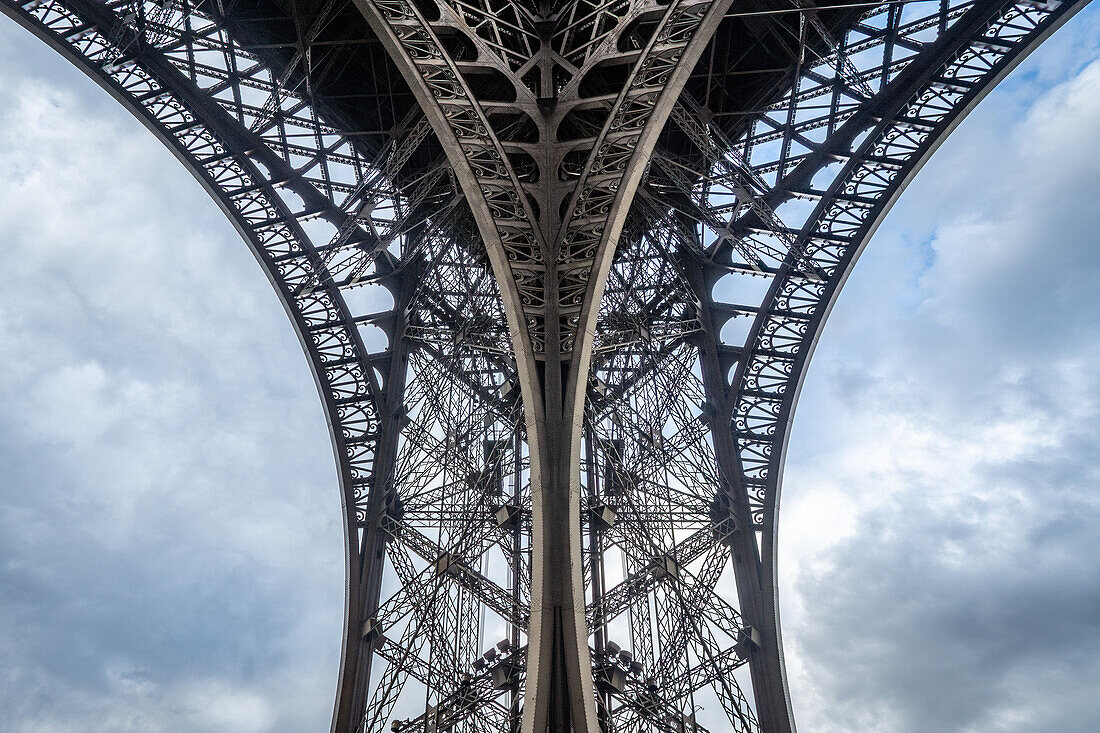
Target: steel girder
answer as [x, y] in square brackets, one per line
[519, 296]
[875, 150]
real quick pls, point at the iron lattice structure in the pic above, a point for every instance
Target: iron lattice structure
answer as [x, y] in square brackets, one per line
[558, 267]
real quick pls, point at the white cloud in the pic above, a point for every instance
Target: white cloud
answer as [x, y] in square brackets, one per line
[170, 545]
[951, 417]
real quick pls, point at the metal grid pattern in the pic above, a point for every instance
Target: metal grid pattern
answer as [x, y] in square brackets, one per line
[559, 270]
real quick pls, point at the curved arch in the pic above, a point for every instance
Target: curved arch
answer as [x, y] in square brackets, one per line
[249, 182]
[882, 147]
[847, 135]
[881, 121]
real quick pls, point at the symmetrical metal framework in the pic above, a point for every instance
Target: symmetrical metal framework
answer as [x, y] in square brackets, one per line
[558, 266]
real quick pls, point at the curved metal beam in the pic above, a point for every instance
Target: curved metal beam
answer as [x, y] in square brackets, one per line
[270, 204]
[551, 293]
[602, 268]
[881, 146]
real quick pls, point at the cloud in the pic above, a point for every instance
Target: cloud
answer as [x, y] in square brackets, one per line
[942, 511]
[170, 544]
[169, 538]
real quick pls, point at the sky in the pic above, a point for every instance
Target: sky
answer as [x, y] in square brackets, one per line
[170, 544]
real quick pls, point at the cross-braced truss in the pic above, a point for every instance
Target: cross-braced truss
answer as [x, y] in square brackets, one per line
[559, 268]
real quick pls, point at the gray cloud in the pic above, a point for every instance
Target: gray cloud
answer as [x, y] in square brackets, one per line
[169, 538]
[170, 546]
[942, 504]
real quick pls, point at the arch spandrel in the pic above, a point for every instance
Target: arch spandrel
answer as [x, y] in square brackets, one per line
[611, 187]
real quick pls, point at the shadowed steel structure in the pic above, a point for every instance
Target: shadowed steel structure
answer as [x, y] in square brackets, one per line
[558, 267]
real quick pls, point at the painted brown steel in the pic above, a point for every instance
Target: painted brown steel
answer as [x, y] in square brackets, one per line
[552, 245]
[240, 147]
[895, 97]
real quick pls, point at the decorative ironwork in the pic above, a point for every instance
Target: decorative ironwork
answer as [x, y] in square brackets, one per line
[559, 269]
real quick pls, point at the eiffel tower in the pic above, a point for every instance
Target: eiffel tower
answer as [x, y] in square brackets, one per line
[559, 267]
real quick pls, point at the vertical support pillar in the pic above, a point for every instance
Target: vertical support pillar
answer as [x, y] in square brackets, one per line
[365, 581]
[755, 586]
[551, 273]
[560, 696]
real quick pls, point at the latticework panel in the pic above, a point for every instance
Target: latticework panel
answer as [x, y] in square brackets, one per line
[460, 202]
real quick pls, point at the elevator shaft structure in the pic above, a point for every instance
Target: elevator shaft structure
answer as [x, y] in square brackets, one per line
[558, 268]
